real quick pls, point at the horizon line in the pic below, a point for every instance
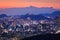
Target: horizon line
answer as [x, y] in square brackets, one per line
[30, 6]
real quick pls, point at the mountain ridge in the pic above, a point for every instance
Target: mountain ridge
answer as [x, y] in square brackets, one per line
[25, 10]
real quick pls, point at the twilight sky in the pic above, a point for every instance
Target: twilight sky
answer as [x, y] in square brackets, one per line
[25, 3]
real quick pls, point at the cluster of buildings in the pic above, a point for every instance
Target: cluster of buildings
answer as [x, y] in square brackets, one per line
[27, 27]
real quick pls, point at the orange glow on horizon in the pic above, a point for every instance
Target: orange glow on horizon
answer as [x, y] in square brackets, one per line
[22, 4]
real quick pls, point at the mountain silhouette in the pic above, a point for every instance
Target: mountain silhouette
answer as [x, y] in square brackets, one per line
[54, 14]
[35, 17]
[3, 15]
[25, 10]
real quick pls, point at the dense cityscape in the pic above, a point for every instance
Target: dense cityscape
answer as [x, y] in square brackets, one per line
[15, 26]
[29, 20]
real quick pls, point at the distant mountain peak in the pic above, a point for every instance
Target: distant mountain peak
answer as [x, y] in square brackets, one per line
[32, 7]
[40, 7]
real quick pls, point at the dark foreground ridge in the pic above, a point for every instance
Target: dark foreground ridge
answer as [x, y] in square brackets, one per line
[44, 37]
